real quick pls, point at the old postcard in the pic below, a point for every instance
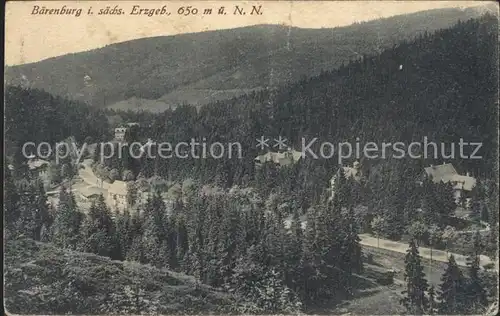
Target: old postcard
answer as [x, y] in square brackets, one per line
[251, 157]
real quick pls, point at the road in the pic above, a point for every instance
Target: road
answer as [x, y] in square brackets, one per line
[368, 240]
[87, 175]
[401, 247]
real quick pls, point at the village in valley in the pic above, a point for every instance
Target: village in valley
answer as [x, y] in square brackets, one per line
[97, 222]
[468, 220]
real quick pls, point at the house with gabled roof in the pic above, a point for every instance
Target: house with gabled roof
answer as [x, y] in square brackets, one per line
[286, 158]
[447, 173]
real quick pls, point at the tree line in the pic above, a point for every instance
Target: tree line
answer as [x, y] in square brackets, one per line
[458, 293]
[235, 240]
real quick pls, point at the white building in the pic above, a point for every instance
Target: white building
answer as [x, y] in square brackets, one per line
[117, 195]
[286, 158]
[446, 173]
[120, 133]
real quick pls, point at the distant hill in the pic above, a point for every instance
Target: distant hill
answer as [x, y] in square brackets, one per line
[42, 279]
[161, 72]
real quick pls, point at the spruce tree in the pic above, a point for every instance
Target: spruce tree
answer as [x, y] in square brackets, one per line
[33, 209]
[432, 300]
[136, 251]
[414, 300]
[294, 251]
[11, 202]
[476, 294]
[213, 276]
[132, 193]
[430, 203]
[155, 231]
[448, 205]
[452, 295]
[66, 232]
[308, 284]
[124, 234]
[230, 241]
[180, 231]
[98, 231]
[350, 247]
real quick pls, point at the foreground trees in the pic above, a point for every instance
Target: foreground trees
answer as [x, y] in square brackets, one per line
[452, 290]
[67, 222]
[230, 239]
[415, 299]
[457, 294]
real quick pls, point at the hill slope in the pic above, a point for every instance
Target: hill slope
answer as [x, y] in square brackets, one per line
[188, 67]
[42, 279]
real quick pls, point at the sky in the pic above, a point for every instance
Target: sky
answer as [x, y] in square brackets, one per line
[30, 38]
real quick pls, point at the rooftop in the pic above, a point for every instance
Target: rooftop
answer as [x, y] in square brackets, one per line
[283, 158]
[37, 163]
[447, 173]
[90, 191]
[463, 182]
[442, 172]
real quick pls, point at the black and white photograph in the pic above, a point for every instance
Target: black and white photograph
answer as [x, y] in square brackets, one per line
[251, 158]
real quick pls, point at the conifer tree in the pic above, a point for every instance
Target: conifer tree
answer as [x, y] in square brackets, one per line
[132, 193]
[136, 251]
[181, 234]
[274, 240]
[350, 253]
[307, 288]
[213, 276]
[432, 300]
[294, 251]
[478, 195]
[155, 231]
[66, 232]
[98, 230]
[430, 202]
[230, 241]
[33, 209]
[11, 202]
[29, 218]
[330, 275]
[342, 188]
[452, 290]
[124, 234]
[476, 294]
[414, 298]
[447, 204]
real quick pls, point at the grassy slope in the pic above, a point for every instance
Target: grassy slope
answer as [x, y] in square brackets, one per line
[43, 279]
[182, 67]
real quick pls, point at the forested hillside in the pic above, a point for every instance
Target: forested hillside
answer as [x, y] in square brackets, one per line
[441, 86]
[43, 279]
[203, 67]
[35, 116]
